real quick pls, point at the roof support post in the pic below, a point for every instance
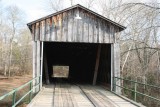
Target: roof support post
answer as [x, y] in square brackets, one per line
[46, 68]
[34, 62]
[116, 66]
[97, 64]
[38, 65]
[41, 64]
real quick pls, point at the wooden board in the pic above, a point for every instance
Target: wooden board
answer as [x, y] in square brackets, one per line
[97, 64]
[66, 95]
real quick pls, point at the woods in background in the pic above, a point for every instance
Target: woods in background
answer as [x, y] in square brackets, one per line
[15, 43]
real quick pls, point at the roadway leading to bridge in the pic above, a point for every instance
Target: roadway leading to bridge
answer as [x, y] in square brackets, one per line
[67, 95]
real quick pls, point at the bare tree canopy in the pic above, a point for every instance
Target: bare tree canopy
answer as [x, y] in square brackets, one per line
[150, 5]
[12, 21]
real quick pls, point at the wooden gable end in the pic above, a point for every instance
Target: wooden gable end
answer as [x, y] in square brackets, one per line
[64, 27]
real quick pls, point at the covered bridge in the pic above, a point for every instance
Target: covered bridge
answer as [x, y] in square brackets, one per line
[79, 39]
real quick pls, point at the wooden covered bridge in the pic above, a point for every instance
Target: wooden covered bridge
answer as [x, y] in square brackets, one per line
[83, 45]
[81, 39]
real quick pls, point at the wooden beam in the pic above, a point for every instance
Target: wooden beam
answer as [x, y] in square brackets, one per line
[41, 64]
[46, 68]
[97, 64]
[34, 63]
[38, 63]
[116, 69]
[112, 66]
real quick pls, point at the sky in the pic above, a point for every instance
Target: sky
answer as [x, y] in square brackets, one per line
[32, 8]
[35, 9]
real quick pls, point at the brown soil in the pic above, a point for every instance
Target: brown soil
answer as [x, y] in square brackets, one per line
[8, 84]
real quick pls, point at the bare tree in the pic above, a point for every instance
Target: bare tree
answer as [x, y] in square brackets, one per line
[88, 3]
[54, 5]
[25, 48]
[14, 17]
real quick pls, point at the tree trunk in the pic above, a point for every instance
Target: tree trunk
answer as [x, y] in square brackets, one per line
[10, 59]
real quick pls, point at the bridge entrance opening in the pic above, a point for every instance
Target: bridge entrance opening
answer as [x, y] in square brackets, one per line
[83, 62]
[60, 71]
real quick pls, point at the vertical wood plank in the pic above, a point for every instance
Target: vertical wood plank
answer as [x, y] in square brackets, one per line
[92, 27]
[100, 31]
[74, 26]
[85, 27]
[43, 30]
[58, 27]
[106, 35]
[47, 36]
[37, 32]
[35, 38]
[61, 27]
[80, 27]
[117, 35]
[77, 26]
[82, 23]
[103, 31]
[90, 31]
[50, 29]
[65, 26]
[70, 21]
[95, 30]
[81, 30]
[111, 33]
[97, 20]
[40, 27]
[55, 27]
[33, 32]
[88, 19]
[97, 64]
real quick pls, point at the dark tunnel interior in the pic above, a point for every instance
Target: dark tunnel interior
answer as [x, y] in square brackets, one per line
[81, 59]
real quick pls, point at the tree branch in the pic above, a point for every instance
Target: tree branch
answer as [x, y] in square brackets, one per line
[139, 49]
[143, 4]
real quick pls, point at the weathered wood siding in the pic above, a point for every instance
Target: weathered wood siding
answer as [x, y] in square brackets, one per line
[116, 66]
[64, 27]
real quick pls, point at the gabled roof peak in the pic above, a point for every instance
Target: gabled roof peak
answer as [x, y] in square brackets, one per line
[82, 7]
